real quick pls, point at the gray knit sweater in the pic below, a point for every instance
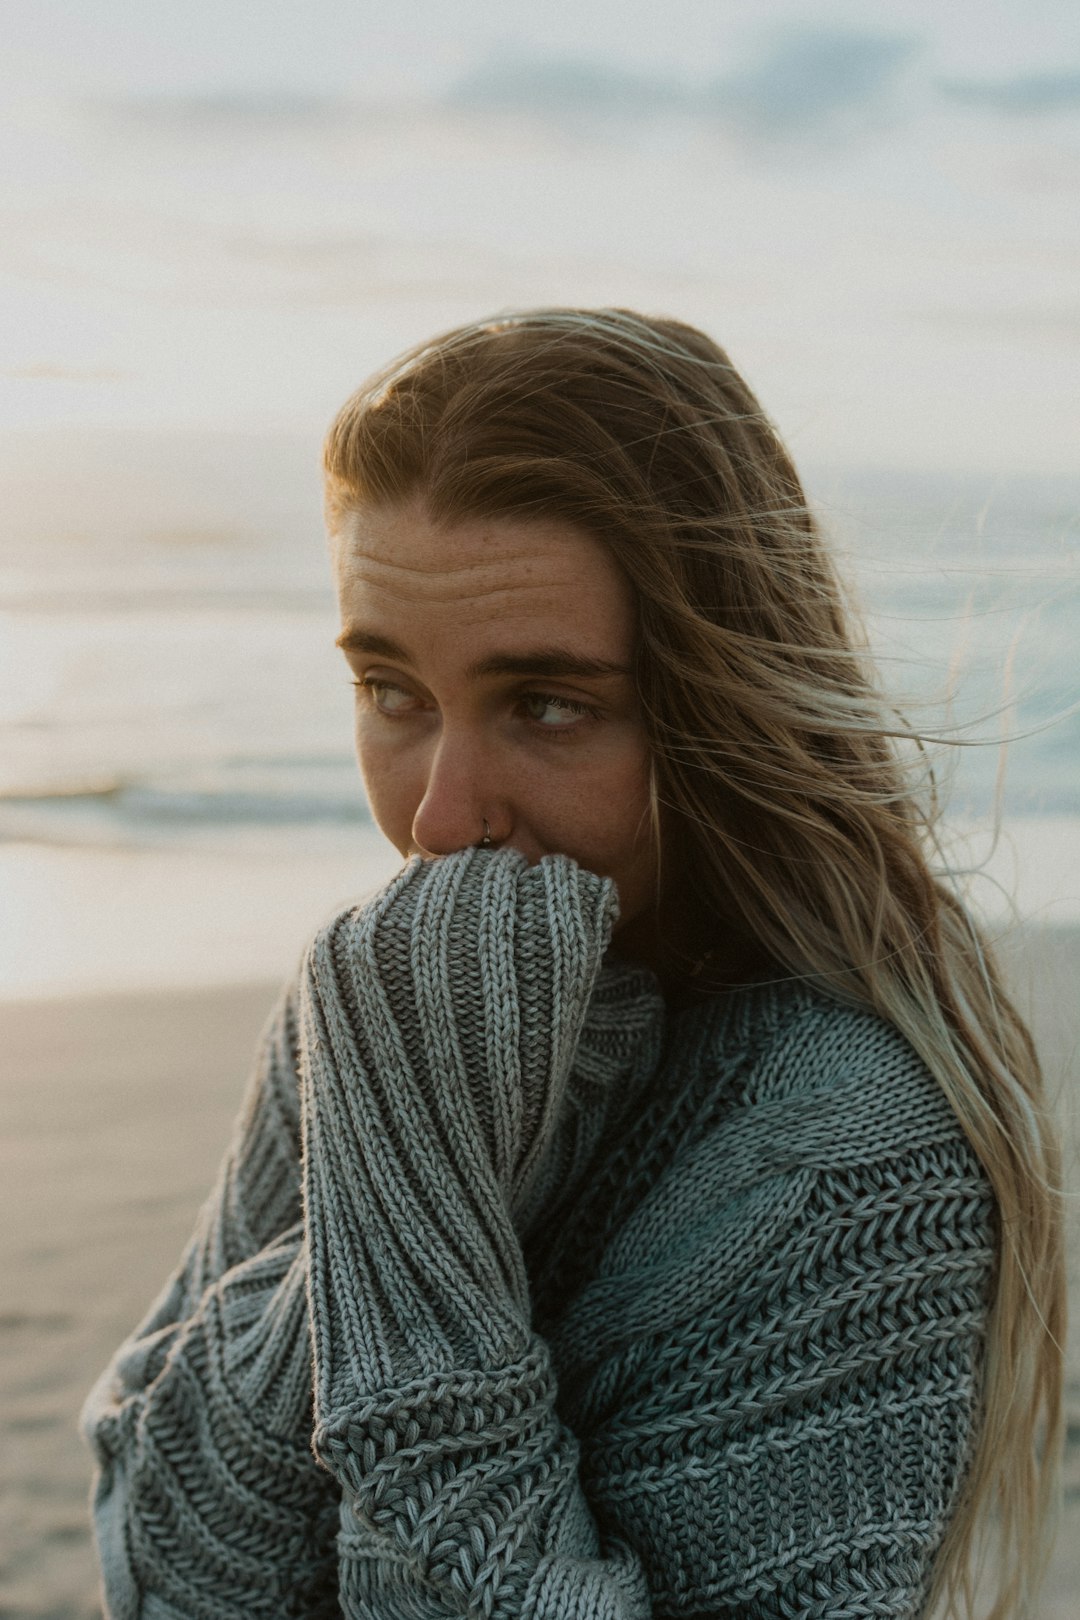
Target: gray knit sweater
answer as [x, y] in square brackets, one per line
[518, 1297]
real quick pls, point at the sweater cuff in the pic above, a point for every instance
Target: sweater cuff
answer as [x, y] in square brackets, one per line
[460, 1475]
[378, 1442]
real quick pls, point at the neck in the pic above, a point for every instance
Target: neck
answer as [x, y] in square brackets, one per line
[690, 965]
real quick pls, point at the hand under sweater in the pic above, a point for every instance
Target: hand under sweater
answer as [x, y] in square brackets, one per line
[767, 1262]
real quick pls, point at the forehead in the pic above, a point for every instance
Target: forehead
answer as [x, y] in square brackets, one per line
[501, 578]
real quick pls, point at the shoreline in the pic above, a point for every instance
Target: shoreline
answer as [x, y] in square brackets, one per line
[163, 917]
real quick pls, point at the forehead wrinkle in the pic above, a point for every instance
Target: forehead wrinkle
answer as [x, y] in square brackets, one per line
[475, 567]
[518, 588]
[515, 550]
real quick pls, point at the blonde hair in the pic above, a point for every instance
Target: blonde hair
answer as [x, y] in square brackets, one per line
[778, 773]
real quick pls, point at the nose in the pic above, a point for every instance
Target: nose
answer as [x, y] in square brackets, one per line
[459, 794]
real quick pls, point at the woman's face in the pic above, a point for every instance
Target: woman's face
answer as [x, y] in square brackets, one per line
[494, 669]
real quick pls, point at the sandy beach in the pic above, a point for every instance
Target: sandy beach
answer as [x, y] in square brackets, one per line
[115, 1111]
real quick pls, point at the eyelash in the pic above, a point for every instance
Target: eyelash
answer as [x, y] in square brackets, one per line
[571, 705]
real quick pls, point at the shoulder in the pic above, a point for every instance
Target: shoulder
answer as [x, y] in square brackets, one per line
[812, 1080]
[798, 1104]
[816, 1159]
[775, 1366]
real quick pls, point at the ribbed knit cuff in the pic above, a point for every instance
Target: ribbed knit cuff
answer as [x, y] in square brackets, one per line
[458, 1474]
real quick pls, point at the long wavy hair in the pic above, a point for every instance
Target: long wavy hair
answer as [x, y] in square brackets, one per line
[780, 779]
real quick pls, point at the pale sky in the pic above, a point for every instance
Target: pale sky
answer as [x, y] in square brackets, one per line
[224, 213]
[328, 46]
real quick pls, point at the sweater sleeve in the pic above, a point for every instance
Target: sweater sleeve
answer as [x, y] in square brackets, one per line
[439, 1031]
[768, 1386]
[208, 1502]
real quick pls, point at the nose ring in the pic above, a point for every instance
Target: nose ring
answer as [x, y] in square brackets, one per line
[485, 842]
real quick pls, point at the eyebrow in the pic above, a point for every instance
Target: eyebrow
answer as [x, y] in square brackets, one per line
[552, 661]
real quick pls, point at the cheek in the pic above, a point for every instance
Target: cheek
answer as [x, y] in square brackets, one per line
[393, 789]
[635, 865]
[607, 821]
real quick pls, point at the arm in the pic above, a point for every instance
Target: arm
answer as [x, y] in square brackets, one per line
[208, 1501]
[440, 1026]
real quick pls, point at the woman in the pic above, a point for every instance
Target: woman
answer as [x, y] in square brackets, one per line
[645, 1205]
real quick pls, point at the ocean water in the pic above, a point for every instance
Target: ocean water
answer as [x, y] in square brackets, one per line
[175, 723]
[196, 271]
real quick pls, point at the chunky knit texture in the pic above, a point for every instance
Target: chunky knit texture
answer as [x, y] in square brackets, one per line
[517, 1297]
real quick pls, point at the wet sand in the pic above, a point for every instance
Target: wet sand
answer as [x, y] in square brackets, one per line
[114, 1112]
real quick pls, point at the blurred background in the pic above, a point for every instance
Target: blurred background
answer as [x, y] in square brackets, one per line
[215, 219]
[218, 218]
